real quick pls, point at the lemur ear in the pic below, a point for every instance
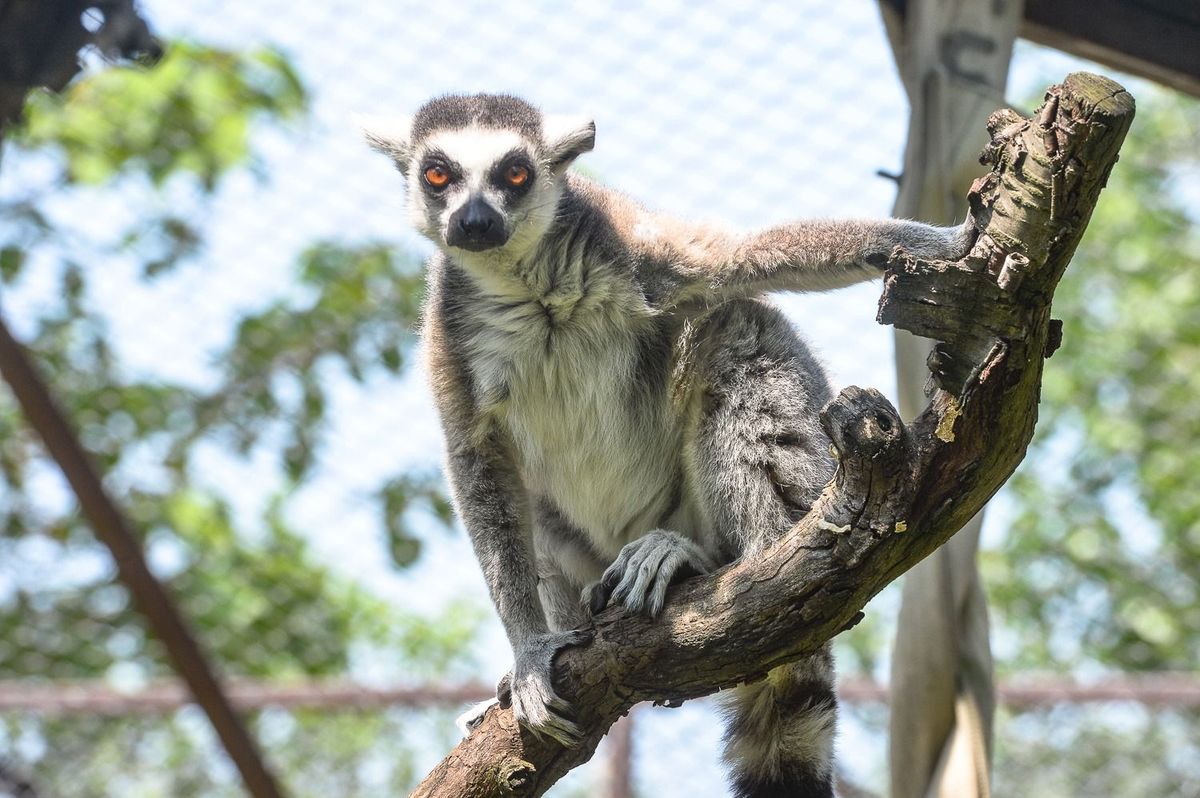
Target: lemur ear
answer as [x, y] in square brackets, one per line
[567, 137]
[391, 136]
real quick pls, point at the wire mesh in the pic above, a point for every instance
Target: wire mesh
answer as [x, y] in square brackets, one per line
[306, 534]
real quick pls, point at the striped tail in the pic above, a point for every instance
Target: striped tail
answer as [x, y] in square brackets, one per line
[779, 732]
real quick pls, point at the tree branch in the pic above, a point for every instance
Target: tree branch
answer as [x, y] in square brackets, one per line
[899, 492]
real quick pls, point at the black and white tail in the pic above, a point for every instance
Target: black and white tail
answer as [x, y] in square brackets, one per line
[779, 732]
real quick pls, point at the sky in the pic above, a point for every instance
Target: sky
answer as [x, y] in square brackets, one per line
[744, 115]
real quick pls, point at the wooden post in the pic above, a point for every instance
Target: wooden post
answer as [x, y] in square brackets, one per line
[953, 58]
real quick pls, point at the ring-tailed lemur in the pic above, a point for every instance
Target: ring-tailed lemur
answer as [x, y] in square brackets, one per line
[620, 406]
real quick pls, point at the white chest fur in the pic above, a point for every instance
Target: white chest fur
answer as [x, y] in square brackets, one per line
[565, 383]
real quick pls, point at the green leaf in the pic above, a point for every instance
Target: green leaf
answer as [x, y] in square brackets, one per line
[12, 258]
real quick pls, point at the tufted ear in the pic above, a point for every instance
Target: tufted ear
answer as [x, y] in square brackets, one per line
[391, 136]
[567, 137]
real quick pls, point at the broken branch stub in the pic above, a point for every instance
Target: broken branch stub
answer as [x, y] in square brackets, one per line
[899, 491]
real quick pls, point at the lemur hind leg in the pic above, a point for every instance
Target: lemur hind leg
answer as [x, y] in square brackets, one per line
[760, 460]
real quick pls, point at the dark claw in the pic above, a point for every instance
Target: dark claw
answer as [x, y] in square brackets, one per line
[504, 691]
[602, 591]
[581, 637]
[612, 577]
[597, 598]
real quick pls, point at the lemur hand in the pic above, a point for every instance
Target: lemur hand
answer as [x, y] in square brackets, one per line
[644, 569]
[529, 688]
[950, 243]
[962, 238]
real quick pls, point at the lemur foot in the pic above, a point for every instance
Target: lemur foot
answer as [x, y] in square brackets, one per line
[469, 721]
[644, 569]
[529, 688]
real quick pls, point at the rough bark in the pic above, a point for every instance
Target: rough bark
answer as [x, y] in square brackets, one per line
[900, 490]
[953, 59]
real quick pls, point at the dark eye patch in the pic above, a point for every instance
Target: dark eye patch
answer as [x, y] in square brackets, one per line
[497, 175]
[436, 158]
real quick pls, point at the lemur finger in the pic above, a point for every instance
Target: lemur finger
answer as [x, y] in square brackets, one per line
[613, 573]
[548, 716]
[561, 707]
[632, 590]
[596, 597]
[658, 595]
[564, 731]
[610, 579]
[504, 690]
[628, 575]
[578, 637]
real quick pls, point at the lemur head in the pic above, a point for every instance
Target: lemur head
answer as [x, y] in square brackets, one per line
[485, 171]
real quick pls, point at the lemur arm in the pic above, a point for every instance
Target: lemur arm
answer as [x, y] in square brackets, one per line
[686, 262]
[493, 507]
[488, 493]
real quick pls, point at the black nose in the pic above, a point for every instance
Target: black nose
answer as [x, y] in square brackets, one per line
[476, 226]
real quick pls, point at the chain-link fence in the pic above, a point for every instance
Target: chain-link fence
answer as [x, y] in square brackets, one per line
[219, 280]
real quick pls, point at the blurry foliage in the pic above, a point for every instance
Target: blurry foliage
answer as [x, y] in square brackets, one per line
[261, 600]
[364, 307]
[265, 608]
[1097, 750]
[191, 113]
[1102, 563]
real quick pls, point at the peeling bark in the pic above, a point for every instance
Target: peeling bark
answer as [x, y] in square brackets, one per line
[900, 490]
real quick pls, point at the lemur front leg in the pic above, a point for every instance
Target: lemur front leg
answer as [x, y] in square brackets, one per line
[494, 508]
[560, 598]
[528, 688]
[697, 264]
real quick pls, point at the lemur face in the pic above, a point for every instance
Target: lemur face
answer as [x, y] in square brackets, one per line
[473, 188]
[484, 171]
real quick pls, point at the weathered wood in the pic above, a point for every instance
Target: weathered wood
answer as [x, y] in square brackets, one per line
[900, 491]
[1154, 39]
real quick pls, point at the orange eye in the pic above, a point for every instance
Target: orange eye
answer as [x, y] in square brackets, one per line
[437, 176]
[516, 175]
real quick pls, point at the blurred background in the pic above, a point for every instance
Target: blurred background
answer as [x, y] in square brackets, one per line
[219, 282]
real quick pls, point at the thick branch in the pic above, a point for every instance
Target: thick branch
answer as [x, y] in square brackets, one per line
[899, 493]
